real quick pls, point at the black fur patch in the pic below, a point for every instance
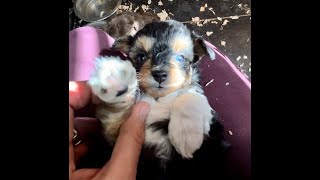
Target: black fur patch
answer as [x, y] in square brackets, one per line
[122, 91]
[160, 126]
[158, 30]
[207, 162]
[160, 53]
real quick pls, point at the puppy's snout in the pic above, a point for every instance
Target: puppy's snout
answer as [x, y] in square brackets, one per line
[159, 76]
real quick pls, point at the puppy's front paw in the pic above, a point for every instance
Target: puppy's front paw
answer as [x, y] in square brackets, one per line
[187, 139]
[189, 121]
[113, 79]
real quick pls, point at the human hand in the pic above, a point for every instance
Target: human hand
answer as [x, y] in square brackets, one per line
[127, 149]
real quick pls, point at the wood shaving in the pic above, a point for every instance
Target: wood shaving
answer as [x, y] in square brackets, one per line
[211, 9]
[207, 84]
[249, 69]
[171, 14]
[145, 7]
[205, 21]
[238, 58]
[245, 57]
[241, 64]
[244, 8]
[223, 43]
[163, 15]
[209, 33]
[101, 13]
[149, 1]
[124, 7]
[220, 18]
[160, 3]
[136, 9]
[250, 64]
[199, 24]
[230, 132]
[217, 18]
[215, 22]
[234, 17]
[170, 0]
[248, 40]
[130, 6]
[227, 84]
[225, 22]
[221, 28]
[203, 8]
[195, 19]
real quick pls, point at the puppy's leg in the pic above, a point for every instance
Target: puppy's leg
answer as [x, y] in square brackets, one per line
[189, 121]
[114, 82]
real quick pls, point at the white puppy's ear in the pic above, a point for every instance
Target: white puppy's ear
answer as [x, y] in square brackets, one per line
[200, 48]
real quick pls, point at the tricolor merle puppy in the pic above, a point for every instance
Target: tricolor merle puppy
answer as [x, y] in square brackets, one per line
[162, 69]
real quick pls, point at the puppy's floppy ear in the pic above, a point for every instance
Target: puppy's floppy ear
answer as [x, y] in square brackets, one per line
[123, 44]
[200, 48]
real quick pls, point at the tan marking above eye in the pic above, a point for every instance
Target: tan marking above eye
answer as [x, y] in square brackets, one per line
[145, 43]
[179, 44]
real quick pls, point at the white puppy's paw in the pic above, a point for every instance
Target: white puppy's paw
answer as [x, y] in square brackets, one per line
[114, 80]
[190, 119]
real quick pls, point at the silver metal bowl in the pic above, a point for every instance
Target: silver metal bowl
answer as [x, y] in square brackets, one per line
[95, 10]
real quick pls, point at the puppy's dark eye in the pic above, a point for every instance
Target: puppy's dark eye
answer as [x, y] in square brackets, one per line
[103, 91]
[179, 58]
[141, 57]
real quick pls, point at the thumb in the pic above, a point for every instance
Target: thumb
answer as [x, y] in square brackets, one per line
[134, 125]
[128, 146]
[139, 112]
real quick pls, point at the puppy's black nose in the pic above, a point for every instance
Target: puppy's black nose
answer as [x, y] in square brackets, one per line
[159, 76]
